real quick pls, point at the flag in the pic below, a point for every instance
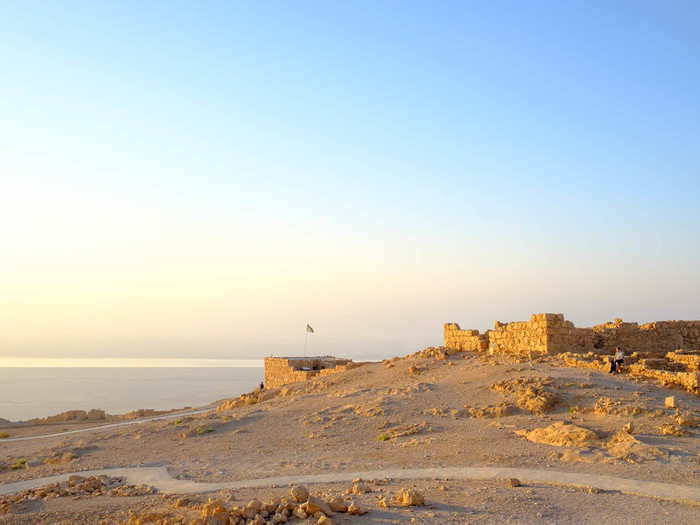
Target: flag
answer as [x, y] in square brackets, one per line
[309, 329]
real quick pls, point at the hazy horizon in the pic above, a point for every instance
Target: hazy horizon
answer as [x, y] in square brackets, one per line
[201, 181]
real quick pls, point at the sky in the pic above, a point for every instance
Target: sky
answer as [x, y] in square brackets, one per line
[202, 179]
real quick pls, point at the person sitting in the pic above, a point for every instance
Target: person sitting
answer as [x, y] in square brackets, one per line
[619, 359]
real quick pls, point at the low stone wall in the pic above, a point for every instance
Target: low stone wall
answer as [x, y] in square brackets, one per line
[280, 371]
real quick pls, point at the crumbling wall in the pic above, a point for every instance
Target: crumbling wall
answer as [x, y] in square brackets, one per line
[521, 337]
[280, 371]
[464, 340]
[552, 333]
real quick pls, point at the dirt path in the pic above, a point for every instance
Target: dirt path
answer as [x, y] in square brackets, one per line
[160, 478]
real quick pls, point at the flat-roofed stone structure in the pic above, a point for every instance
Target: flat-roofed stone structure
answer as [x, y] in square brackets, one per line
[284, 370]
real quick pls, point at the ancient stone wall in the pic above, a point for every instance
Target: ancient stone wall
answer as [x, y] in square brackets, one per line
[280, 371]
[552, 333]
[521, 337]
[465, 340]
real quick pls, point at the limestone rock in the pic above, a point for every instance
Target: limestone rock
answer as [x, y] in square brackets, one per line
[356, 510]
[409, 497]
[338, 505]
[360, 487]
[300, 493]
[314, 505]
[214, 513]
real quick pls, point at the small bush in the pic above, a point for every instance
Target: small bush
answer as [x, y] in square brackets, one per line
[383, 437]
[4, 435]
[20, 464]
[203, 430]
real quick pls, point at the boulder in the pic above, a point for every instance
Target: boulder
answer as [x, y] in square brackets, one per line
[338, 505]
[314, 505]
[356, 510]
[409, 497]
[300, 493]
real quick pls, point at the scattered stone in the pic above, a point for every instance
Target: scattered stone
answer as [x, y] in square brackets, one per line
[530, 393]
[670, 402]
[514, 482]
[670, 429]
[360, 487]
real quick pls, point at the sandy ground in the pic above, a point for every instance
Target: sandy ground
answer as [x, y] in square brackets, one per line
[442, 413]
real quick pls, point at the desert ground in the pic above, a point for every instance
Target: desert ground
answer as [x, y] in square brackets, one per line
[426, 410]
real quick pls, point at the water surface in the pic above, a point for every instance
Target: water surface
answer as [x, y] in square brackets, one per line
[26, 393]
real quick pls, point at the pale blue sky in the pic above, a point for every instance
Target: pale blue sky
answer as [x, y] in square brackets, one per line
[204, 179]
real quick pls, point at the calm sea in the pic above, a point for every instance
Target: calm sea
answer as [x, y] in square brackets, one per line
[28, 392]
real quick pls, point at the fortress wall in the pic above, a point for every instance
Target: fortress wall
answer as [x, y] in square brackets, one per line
[552, 333]
[656, 338]
[464, 340]
[520, 337]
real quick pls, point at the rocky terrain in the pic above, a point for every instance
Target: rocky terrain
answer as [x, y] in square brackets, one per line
[436, 408]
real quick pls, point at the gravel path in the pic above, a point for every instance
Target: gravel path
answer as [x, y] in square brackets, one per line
[160, 478]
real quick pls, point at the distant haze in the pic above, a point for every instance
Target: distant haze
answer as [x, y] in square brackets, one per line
[194, 181]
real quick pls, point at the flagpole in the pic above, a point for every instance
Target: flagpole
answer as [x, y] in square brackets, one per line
[306, 338]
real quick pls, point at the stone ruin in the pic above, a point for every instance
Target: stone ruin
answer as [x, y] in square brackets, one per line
[665, 350]
[280, 371]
